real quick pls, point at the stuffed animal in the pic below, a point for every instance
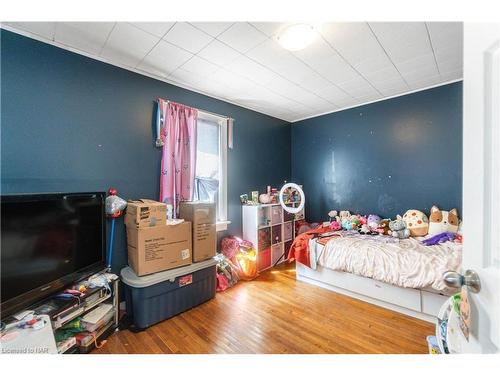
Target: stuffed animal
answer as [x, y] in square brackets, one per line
[364, 229]
[335, 225]
[333, 215]
[440, 238]
[362, 219]
[383, 227]
[417, 222]
[344, 215]
[373, 222]
[398, 228]
[351, 224]
[443, 221]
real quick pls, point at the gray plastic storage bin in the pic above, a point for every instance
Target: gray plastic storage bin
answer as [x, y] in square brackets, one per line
[159, 296]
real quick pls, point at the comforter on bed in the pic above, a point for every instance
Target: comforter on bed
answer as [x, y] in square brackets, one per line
[406, 263]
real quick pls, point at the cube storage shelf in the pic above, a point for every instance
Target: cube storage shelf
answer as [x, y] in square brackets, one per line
[271, 230]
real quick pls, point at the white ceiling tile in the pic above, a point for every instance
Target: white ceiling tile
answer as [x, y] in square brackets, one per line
[158, 29]
[315, 52]
[200, 66]
[128, 45]
[357, 87]
[85, 36]
[402, 40]
[425, 82]
[218, 53]
[251, 70]
[164, 59]
[457, 74]
[43, 29]
[187, 37]
[269, 28]
[212, 28]
[311, 81]
[384, 75]
[391, 87]
[333, 94]
[242, 37]
[446, 34]
[336, 70]
[185, 76]
[270, 54]
[353, 40]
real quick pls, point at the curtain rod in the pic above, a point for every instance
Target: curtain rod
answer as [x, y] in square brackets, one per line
[202, 110]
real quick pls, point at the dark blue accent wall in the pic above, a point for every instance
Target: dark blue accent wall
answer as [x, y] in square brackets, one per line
[383, 158]
[70, 124]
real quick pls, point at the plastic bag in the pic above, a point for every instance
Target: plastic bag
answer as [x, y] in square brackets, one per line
[231, 245]
[246, 261]
[243, 256]
[115, 205]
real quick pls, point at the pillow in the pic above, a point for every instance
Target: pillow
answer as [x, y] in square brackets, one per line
[417, 222]
[443, 221]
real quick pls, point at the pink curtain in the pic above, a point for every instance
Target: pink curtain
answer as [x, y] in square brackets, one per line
[178, 163]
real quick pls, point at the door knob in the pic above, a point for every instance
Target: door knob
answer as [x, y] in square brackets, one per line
[470, 279]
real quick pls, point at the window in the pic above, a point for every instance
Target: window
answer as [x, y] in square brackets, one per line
[211, 164]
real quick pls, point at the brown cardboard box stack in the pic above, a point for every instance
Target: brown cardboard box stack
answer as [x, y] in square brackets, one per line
[154, 246]
[202, 215]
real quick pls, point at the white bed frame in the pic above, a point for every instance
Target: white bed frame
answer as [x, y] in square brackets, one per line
[418, 303]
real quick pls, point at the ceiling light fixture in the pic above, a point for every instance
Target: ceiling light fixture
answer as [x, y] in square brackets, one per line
[296, 37]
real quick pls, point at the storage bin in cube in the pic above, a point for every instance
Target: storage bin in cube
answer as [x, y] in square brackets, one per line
[277, 252]
[276, 215]
[276, 234]
[264, 259]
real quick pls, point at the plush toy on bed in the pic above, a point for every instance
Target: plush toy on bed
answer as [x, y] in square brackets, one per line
[335, 225]
[383, 227]
[333, 215]
[398, 228]
[373, 222]
[443, 221]
[417, 222]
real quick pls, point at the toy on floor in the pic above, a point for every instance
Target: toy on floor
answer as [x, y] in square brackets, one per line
[443, 221]
[439, 238]
[417, 222]
[398, 228]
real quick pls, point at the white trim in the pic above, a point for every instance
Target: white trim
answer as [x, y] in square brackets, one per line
[379, 100]
[222, 225]
[135, 70]
[222, 202]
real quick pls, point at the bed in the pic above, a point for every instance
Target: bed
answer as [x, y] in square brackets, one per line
[402, 275]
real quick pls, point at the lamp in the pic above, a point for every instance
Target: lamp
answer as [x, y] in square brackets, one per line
[297, 36]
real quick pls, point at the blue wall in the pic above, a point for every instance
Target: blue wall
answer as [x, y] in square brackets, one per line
[384, 157]
[70, 123]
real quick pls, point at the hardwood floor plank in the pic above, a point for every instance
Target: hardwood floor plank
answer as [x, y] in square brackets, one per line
[275, 313]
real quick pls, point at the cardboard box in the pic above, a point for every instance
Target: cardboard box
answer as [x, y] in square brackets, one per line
[143, 213]
[202, 215]
[158, 248]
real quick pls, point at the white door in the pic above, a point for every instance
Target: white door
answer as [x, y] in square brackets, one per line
[481, 181]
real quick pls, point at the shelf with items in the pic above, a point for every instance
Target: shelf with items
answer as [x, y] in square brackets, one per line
[271, 230]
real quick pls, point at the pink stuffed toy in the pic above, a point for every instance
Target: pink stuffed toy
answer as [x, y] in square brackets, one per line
[335, 225]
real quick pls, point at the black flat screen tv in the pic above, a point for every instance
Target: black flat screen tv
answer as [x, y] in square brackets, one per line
[48, 242]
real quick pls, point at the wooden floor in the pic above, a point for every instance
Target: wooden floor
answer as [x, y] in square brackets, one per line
[277, 314]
